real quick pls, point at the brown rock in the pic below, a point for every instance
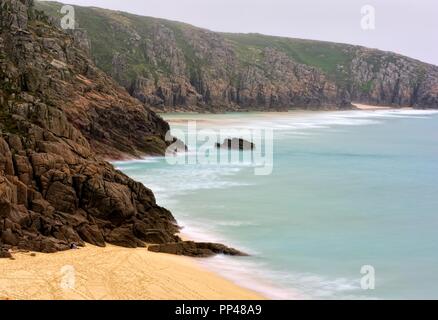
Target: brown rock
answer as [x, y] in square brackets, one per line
[194, 249]
[20, 189]
[91, 234]
[59, 115]
[108, 200]
[123, 237]
[8, 191]
[23, 169]
[62, 197]
[4, 253]
[6, 164]
[8, 237]
[144, 233]
[236, 144]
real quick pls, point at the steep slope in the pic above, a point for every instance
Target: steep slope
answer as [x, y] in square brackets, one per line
[51, 67]
[58, 113]
[175, 66]
[369, 76]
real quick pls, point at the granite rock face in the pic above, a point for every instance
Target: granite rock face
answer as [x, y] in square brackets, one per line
[59, 116]
[385, 78]
[48, 67]
[177, 67]
[218, 81]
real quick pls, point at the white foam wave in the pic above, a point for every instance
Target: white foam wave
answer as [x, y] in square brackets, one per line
[273, 284]
[169, 182]
[236, 223]
[299, 121]
[137, 161]
[248, 272]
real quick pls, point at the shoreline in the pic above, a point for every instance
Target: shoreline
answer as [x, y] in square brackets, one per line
[205, 265]
[186, 236]
[183, 118]
[113, 273]
[366, 107]
[121, 273]
[354, 107]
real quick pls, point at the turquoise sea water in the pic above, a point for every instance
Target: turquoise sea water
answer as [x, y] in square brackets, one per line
[348, 189]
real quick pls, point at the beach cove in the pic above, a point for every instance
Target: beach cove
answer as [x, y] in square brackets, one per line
[336, 201]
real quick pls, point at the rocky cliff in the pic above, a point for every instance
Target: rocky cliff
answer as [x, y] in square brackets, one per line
[175, 66]
[59, 115]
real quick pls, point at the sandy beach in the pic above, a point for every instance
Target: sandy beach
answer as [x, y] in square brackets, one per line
[227, 120]
[370, 107]
[112, 273]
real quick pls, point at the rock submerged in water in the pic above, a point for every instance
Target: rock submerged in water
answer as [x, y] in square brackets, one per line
[236, 144]
[195, 249]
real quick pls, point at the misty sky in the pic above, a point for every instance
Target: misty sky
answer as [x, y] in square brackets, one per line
[404, 26]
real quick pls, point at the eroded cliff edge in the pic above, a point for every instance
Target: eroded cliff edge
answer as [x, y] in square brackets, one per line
[174, 66]
[59, 116]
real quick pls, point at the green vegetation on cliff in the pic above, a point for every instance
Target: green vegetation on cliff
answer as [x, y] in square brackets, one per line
[249, 47]
[324, 55]
[171, 65]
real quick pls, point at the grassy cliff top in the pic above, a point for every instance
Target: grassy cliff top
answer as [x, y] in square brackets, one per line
[326, 56]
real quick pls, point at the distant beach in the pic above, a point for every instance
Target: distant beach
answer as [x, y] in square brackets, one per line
[370, 108]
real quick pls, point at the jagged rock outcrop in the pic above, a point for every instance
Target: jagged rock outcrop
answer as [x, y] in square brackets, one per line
[57, 112]
[385, 78]
[192, 249]
[51, 66]
[236, 144]
[216, 80]
[59, 115]
[177, 67]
